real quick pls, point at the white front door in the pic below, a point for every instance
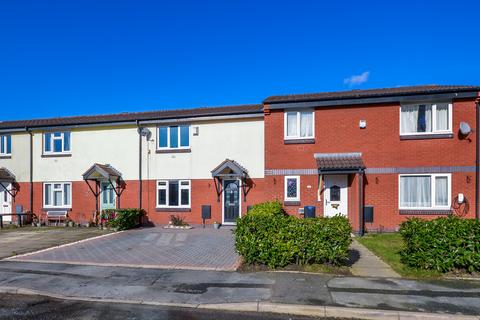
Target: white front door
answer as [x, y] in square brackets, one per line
[5, 203]
[335, 195]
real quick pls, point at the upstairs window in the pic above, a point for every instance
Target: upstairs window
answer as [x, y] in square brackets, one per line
[426, 119]
[299, 125]
[5, 145]
[174, 137]
[57, 195]
[56, 142]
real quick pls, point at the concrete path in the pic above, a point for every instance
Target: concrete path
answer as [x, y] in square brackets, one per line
[253, 291]
[367, 264]
[195, 249]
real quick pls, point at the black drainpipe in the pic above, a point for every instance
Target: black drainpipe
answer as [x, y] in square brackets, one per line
[31, 168]
[139, 166]
[477, 159]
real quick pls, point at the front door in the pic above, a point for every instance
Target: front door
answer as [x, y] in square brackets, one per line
[5, 202]
[335, 195]
[231, 201]
[107, 196]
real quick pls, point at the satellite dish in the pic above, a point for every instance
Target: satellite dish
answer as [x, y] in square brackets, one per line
[145, 132]
[465, 128]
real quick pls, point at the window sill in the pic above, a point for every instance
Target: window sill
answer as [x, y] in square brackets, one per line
[173, 150]
[291, 203]
[6, 156]
[427, 136]
[56, 209]
[55, 155]
[173, 209]
[425, 211]
[299, 141]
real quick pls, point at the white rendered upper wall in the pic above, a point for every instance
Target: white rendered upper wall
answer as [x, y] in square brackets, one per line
[241, 140]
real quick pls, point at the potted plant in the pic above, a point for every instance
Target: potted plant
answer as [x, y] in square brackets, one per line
[216, 225]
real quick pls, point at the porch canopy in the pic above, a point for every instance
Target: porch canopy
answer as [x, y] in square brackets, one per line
[338, 163]
[230, 169]
[99, 173]
[6, 178]
[344, 163]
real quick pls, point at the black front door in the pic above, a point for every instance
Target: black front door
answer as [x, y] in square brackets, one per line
[231, 200]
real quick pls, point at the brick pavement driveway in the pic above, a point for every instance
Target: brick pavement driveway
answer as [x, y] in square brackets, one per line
[198, 248]
[28, 239]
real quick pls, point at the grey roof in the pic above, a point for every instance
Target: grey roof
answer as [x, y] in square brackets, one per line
[339, 161]
[371, 93]
[134, 116]
[229, 168]
[99, 171]
[6, 175]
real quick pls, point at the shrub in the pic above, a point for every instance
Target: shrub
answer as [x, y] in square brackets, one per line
[127, 218]
[442, 244]
[178, 221]
[267, 208]
[266, 235]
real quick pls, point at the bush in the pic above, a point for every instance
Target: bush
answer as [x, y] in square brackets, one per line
[266, 235]
[178, 221]
[442, 244]
[127, 218]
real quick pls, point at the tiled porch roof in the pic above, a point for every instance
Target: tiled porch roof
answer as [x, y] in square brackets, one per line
[6, 175]
[339, 161]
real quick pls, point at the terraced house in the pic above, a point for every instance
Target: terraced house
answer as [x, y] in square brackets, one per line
[377, 156]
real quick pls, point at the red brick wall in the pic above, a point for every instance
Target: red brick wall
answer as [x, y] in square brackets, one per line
[337, 130]
[83, 201]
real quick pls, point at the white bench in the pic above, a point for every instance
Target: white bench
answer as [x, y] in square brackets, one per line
[57, 216]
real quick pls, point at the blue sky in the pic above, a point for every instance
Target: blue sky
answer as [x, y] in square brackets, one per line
[60, 58]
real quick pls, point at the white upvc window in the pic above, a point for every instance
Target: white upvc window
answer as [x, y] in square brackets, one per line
[299, 124]
[173, 193]
[425, 191]
[56, 142]
[426, 118]
[292, 188]
[57, 195]
[5, 145]
[173, 137]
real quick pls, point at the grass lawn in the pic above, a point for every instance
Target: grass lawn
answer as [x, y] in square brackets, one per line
[387, 246]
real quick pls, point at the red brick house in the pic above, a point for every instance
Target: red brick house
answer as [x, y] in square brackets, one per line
[399, 150]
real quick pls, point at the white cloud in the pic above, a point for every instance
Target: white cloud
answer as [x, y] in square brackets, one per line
[357, 79]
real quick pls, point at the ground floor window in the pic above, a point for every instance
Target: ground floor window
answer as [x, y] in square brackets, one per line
[431, 191]
[292, 188]
[173, 193]
[57, 195]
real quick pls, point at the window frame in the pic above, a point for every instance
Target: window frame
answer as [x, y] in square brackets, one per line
[53, 138]
[285, 189]
[434, 119]
[179, 147]
[5, 140]
[432, 176]
[62, 189]
[180, 188]
[297, 136]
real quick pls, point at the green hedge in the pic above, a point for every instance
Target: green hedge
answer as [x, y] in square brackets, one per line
[126, 218]
[442, 244]
[266, 235]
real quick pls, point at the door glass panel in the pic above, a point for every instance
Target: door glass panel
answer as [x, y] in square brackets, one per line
[335, 193]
